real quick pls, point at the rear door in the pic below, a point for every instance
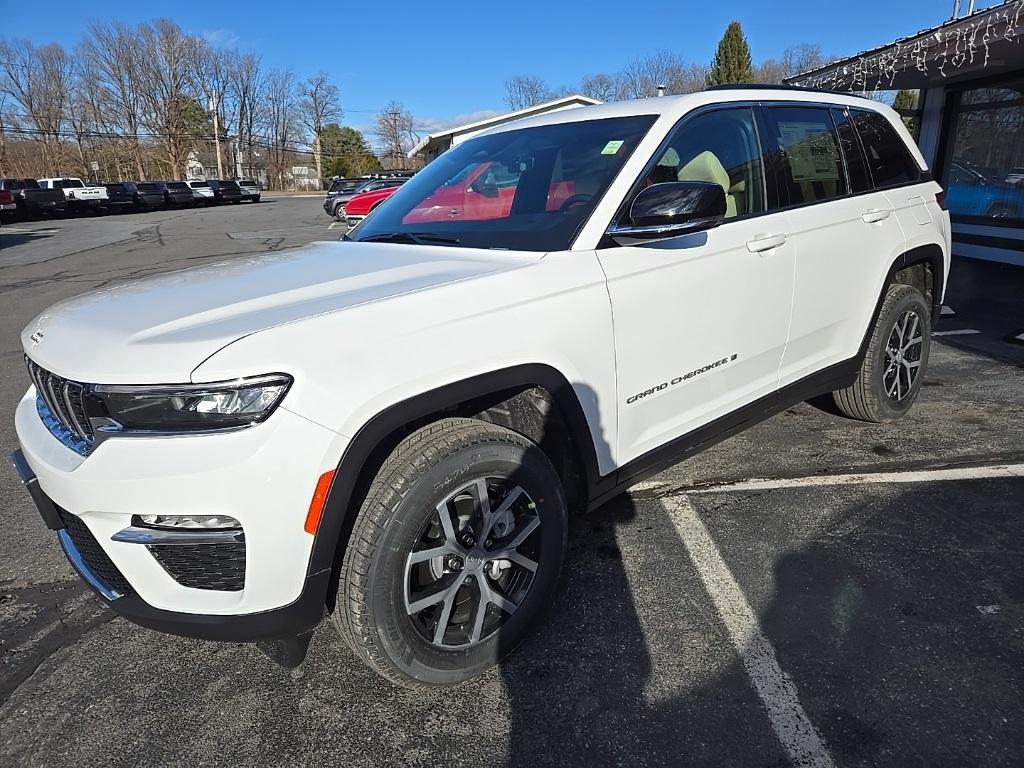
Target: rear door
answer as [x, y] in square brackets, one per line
[844, 232]
[895, 171]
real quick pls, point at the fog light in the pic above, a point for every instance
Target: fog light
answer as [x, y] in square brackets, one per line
[189, 522]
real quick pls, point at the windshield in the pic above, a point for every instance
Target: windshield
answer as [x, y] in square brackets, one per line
[529, 189]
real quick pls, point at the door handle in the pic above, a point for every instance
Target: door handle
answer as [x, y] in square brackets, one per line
[765, 242]
[875, 215]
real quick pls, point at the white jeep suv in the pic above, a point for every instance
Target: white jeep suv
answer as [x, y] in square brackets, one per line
[391, 429]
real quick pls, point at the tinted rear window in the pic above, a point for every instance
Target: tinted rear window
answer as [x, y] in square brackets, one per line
[199, 183]
[148, 187]
[68, 184]
[247, 183]
[889, 159]
[179, 185]
[811, 163]
[855, 163]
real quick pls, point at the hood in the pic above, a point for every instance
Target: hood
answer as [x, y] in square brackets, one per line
[160, 329]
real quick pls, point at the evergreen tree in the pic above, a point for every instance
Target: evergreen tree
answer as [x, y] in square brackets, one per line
[732, 59]
[906, 104]
[346, 152]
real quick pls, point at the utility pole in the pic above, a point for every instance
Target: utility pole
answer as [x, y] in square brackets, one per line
[216, 135]
[238, 158]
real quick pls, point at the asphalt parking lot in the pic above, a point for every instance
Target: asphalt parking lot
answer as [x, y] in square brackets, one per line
[814, 591]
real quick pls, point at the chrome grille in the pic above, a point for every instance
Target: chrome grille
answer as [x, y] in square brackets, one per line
[63, 401]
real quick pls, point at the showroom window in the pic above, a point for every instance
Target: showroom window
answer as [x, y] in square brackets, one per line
[983, 172]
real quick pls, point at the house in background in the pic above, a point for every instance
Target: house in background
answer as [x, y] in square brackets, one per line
[969, 119]
[435, 143]
[202, 164]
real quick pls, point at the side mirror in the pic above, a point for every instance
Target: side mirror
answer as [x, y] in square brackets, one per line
[673, 208]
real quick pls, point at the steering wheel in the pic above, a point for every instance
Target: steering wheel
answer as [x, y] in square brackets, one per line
[574, 200]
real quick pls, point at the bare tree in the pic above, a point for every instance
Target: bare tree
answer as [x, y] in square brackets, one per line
[282, 129]
[248, 87]
[524, 91]
[319, 106]
[85, 113]
[113, 52]
[601, 87]
[210, 73]
[170, 110]
[794, 60]
[642, 76]
[39, 80]
[393, 126]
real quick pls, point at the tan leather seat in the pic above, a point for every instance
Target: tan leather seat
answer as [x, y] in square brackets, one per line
[708, 168]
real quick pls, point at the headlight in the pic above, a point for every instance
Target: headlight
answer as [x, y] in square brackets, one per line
[189, 407]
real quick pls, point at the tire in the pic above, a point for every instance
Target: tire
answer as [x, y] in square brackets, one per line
[445, 463]
[887, 385]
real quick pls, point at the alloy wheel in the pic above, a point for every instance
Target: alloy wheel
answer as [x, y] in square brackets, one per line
[473, 563]
[903, 356]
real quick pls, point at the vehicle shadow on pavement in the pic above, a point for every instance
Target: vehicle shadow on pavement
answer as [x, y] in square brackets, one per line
[590, 687]
[11, 239]
[898, 616]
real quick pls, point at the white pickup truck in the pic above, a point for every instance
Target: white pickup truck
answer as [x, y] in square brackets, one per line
[80, 196]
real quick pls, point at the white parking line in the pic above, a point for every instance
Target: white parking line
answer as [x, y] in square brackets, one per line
[776, 690]
[958, 332]
[877, 478]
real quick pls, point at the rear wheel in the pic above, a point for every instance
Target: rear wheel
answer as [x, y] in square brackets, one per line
[454, 555]
[894, 366]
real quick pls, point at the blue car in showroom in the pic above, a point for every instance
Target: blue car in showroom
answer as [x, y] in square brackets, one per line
[971, 193]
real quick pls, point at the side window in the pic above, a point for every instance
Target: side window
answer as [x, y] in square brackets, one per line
[811, 164]
[719, 147]
[856, 165]
[888, 157]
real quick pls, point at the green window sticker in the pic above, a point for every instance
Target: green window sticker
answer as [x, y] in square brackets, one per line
[612, 147]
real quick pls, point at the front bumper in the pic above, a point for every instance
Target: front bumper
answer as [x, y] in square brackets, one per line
[263, 478]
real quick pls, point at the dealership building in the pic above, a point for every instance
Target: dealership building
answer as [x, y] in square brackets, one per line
[968, 118]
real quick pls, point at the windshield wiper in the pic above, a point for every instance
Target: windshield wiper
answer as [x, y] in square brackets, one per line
[416, 238]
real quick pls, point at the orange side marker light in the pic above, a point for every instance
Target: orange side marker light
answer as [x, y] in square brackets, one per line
[316, 504]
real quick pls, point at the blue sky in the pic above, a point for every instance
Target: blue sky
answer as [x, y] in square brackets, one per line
[450, 59]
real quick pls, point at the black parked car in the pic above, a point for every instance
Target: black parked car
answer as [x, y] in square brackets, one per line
[134, 196]
[226, 191]
[120, 197]
[343, 190]
[176, 194]
[148, 195]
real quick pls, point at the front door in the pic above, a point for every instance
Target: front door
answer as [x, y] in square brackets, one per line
[701, 320]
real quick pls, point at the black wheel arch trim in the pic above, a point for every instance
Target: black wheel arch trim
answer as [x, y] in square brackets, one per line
[376, 438]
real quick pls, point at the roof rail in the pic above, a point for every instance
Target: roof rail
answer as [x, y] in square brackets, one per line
[778, 87]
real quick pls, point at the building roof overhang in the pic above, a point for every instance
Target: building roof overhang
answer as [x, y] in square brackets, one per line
[968, 48]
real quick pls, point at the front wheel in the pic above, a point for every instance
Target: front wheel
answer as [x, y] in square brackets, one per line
[897, 356]
[455, 553]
